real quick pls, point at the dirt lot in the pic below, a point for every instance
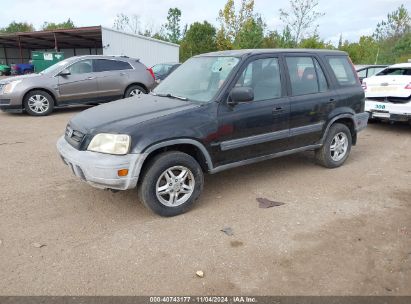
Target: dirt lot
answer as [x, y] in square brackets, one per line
[345, 231]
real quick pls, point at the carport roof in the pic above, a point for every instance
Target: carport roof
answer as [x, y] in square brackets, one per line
[81, 37]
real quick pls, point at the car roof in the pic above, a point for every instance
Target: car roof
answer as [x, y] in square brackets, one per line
[247, 52]
[401, 65]
[125, 58]
[361, 67]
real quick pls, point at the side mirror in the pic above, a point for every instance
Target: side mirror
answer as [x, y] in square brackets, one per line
[241, 94]
[65, 72]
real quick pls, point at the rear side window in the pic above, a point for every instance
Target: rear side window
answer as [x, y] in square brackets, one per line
[306, 76]
[342, 70]
[103, 65]
[395, 71]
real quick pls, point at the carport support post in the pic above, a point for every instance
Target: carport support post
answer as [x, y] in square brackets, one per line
[5, 55]
[21, 51]
[56, 47]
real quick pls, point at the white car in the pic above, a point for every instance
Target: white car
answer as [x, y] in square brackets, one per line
[388, 93]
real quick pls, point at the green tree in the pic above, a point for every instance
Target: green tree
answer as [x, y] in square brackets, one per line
[397, 24]
[199, 38]
[233, 24]
[54, 26]
[314, 42]
[15, 27]
[250, 35]
[274, 39]
[301, 18]
[172, 26]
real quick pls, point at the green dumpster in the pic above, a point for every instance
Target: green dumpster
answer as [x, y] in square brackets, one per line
[42, 60]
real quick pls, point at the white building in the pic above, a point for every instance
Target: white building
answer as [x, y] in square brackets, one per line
[17, 47]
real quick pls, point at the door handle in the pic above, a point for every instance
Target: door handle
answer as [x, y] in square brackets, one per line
[278, 109]
[90, 78]
[122, 74]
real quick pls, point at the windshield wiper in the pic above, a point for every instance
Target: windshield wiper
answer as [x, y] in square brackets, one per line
[169, 96]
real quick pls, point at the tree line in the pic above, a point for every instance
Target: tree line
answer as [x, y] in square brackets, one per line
[245, 28]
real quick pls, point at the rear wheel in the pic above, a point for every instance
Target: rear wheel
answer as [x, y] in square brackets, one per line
[171, 183]
[135, 90]
[38, 103]
[336, 147]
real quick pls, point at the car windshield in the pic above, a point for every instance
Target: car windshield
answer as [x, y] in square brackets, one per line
[56, 67]
[198, 79]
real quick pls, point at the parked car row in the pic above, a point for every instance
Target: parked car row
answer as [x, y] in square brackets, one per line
[16, 69]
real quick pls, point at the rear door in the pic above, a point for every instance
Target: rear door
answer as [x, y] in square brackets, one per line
[80, 85]
[311, 99]
[112, 77]
[260, 127]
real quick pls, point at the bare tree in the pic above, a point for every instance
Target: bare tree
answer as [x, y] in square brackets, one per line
[301, 17]
[127, 23]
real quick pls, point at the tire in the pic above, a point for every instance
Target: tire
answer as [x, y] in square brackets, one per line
[134, 90]
[326, 155]
[38, 103]
[155, 177]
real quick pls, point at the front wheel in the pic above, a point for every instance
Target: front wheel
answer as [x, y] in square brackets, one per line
[336, 147]
[171, 183]
[38, 103]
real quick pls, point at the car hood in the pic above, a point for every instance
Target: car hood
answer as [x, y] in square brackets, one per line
[21, 77]
[122, 114]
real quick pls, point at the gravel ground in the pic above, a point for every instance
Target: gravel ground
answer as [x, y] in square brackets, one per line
[345, 231]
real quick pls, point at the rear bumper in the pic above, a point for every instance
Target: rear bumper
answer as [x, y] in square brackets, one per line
[98, 169]
[388, 110]
[360, 121]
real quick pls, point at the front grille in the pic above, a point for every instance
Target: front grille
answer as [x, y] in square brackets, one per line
[74, 137]
[391, 99]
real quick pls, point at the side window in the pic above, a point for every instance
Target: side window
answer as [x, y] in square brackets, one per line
[342, 70]
[303, 76]
[362, 73]
[103, 65]
[322, 81]
[263, 75]
[81, 67]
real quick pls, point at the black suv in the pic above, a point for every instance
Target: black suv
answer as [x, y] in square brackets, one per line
[215, 112]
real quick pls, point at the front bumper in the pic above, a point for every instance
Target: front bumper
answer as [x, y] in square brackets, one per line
[388, 111]
[99, 169]
[11, 102]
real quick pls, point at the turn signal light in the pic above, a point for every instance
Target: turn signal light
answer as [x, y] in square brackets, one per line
[122, 172]
[408, 86]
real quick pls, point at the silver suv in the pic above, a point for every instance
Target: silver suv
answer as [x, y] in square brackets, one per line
[77, 80]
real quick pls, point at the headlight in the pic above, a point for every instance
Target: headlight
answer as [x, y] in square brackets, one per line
[9, 88]
[110, 143]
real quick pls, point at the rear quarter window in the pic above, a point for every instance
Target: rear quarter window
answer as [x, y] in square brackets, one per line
[343, 70]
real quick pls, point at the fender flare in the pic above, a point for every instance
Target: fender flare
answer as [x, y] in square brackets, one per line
[147, 151]
[334, 119]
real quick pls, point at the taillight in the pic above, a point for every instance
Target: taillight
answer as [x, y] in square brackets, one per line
[364, 86]
[150, 70]
[408, 86]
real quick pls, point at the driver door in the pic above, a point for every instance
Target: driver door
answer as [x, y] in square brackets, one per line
[81, 85]
[259, 127]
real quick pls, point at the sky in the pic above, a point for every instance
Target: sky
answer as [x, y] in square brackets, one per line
[351, 18]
